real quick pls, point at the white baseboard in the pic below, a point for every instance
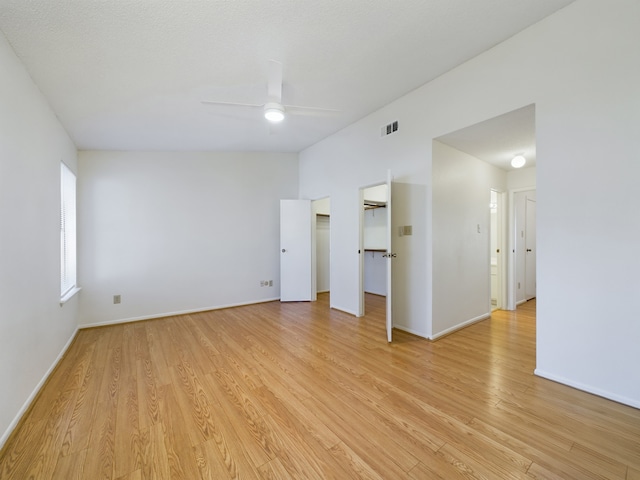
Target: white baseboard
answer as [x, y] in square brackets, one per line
[588, 388]
[411, 331]
[459, 326]
[345, 310]
[34, 393]
[173, 314]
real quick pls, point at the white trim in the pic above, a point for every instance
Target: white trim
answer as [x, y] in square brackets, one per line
[460, 326]
[68, 231]
[344, 310]
[511, 265]
[14, 423]
[173, 314]
[503, 241]
[69, 295]
[587, 388]
[411, 331]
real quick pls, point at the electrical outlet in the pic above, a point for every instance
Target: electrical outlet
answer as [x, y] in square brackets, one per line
[117, 299]
[271, 283]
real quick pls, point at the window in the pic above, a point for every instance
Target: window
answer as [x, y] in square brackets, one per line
[67, 233]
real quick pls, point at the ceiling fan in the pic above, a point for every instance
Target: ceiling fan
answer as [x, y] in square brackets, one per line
[274, 109]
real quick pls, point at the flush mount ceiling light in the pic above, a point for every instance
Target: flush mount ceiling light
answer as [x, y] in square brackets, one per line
[274, 112]
[518, 161]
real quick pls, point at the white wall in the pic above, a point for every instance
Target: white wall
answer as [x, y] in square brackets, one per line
[362, 157]
[322, 206]
[522, 178]
[34, 328]
[175, 232]
[577, 67]
[375, 229]
[461, 234]
[378, 193]
[375, 273]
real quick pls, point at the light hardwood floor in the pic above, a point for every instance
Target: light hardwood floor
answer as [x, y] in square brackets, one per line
[280, 391]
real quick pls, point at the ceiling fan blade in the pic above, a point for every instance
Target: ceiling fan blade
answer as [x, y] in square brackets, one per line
[233, 104]
[274, 99]
[311, 111]
[274, 81]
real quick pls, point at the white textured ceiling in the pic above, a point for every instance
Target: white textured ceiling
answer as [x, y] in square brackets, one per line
[131, 74]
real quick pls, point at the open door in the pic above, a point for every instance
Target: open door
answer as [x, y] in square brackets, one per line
[296, 247]
[390, 255]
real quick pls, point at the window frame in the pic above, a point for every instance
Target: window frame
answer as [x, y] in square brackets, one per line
[68, 234]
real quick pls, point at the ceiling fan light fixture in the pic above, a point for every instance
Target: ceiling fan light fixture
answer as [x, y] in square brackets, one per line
[518, 161]
[274, 112]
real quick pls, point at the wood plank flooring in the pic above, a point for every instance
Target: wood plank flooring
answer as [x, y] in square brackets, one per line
[277, 391]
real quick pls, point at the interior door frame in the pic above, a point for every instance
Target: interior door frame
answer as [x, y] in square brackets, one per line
[361, 309]
[503, 259]
[511, 262]
[501, 243]
[530, 237]
[314, 240]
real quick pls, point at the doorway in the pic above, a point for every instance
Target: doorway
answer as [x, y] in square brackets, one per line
[322, 213]
[496, 257]
[524, 245]
[305, 249]
[373, 231]
[375, 252]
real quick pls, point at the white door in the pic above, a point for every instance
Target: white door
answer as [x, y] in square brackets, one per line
[390, 255]
[296, 244]
[530, 246]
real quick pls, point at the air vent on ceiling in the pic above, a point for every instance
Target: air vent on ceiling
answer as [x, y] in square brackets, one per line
[389, 129]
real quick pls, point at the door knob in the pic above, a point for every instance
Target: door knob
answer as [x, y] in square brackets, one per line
[283, 250]
[528, 249]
